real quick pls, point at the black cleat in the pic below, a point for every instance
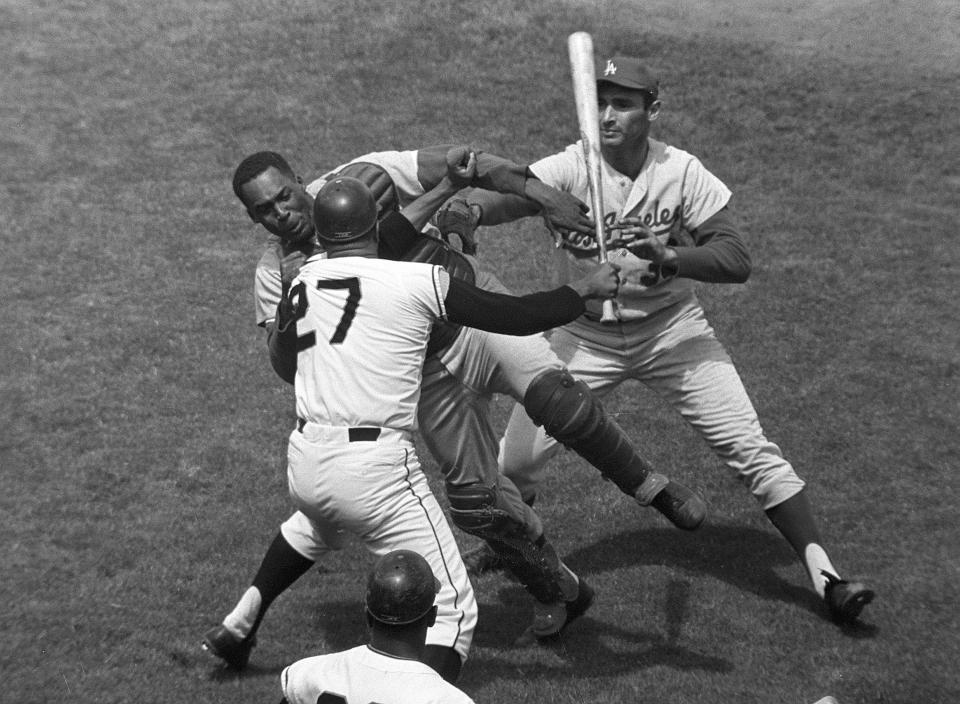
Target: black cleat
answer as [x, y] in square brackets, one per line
[845, 600]
[579, 606]
[226, 646]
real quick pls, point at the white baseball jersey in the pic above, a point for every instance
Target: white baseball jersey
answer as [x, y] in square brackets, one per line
[673, 190]
[363, 339]
[362, 676]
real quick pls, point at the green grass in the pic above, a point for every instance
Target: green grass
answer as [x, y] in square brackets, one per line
[143, 431]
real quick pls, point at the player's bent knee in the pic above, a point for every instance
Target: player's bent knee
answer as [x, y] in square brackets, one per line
[473, 509]
[564, 406]
[311, 540]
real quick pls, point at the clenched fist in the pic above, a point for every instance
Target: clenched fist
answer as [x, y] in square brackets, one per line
[602, 282]
[461, 166]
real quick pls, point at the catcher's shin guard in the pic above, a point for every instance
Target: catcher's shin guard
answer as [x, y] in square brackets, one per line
[473, 509]
[570, 413]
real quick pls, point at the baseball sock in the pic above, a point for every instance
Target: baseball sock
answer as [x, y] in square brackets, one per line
[281, 567]
[794, 519]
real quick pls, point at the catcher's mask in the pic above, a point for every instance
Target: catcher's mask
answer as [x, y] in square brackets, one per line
[401, 588]
[344, 210]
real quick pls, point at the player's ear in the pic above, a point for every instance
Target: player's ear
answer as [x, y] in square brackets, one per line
[432, 618]
[653, 112]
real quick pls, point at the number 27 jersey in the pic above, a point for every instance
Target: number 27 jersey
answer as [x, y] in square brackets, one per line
[363, 338]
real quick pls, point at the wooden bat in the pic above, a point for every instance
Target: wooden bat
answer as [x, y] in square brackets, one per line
[580, 48]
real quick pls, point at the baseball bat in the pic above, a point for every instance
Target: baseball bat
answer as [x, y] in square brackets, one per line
[580, 48]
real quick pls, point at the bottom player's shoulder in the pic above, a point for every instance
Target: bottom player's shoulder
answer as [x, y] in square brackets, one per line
[404, 267]
[456, 696]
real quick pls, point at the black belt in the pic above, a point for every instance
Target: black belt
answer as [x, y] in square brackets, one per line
[361, 434]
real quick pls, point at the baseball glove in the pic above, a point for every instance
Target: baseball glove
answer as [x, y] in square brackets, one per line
[457, 217]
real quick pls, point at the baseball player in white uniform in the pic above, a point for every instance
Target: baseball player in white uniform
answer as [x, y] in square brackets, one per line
[669, 226]
[390, 668]
[354, 344]
[464, 368]
[356, 335]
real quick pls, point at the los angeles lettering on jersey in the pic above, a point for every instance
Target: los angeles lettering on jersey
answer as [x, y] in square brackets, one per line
[660, 220]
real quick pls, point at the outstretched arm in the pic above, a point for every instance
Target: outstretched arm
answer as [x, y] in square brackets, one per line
[493, 172]
[525, 315]
[508, 191]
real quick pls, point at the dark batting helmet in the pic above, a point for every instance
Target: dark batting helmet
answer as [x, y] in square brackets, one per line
[401, 589]
[344, 210]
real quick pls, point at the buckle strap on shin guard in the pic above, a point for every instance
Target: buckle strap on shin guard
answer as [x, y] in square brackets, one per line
[652, 485]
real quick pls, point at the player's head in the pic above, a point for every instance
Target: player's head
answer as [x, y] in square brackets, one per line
[628, 96]
[401, 591]
[274, 196]
[344, 211]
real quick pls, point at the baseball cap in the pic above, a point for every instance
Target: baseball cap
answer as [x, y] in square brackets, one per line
[628, 72]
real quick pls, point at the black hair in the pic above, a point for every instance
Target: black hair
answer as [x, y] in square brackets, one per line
[256, 164]
[649, 98]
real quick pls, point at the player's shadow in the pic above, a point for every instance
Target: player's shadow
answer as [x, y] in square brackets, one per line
[589, 648]
[741, 556]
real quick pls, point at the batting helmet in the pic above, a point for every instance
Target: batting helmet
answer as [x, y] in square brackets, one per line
[344, 210]
[401, 589]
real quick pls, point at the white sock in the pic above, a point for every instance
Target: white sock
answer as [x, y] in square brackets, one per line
[815, 560]
[240, 620]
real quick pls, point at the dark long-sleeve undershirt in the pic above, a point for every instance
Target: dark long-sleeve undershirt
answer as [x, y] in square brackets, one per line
[719, 255]
[511, 315]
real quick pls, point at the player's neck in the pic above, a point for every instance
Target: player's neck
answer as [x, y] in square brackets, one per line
[395, 647]
[366, 248]
[628, 159]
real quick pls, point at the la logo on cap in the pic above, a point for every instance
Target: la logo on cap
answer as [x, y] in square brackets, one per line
[610, 69]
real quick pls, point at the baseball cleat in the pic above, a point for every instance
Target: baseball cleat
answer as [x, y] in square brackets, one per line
[845, 600]
[482, 559]
[679, 504]
[234, 651]
[578, 607]
[550, 620]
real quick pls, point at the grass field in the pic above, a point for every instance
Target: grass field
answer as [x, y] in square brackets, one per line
[142, 432]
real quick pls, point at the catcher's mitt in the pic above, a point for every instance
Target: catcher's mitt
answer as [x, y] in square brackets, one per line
[457, 217]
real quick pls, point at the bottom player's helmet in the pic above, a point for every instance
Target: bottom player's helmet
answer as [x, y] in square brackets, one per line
[401, 589]
[344, 210]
